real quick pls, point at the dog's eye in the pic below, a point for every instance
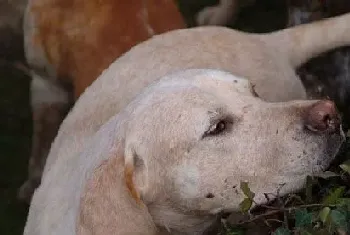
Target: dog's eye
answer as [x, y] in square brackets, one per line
[217, 128]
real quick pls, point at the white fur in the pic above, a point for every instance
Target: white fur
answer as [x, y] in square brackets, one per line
[188, 179]
[44, 91]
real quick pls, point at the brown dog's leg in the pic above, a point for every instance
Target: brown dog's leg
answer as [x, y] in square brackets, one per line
[49, 103]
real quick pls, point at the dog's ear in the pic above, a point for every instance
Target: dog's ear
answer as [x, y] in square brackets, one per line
[111, 197]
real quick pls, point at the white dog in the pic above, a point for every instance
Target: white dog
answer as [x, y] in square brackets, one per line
[168, 158]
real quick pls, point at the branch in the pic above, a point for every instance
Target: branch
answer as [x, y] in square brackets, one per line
[278, 210]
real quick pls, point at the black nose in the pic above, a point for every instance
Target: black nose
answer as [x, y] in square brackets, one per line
[322, 117]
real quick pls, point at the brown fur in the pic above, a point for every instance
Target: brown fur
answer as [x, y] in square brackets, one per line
[80, 40]
[128, 174]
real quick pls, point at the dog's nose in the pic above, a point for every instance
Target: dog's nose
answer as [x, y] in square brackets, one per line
[322, 117]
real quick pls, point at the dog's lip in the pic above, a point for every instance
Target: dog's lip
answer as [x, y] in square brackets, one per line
[338, 132]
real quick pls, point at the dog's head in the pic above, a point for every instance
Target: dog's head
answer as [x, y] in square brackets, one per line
[194, 136]
[191, 138]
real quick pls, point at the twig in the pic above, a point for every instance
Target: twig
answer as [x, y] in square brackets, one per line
[285, 209]
[293, 196]
[270, 207]
[274, 220]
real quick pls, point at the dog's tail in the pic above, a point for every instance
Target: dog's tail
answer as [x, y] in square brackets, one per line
[303, 42]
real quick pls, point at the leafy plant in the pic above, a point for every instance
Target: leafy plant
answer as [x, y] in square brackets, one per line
[247, 202]
[322, 212]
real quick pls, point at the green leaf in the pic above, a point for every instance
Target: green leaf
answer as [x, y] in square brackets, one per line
[282, 231]
[339, 218]
[246, 190]
[324, 213]
[234, 231]
[346, 166]
[343, 202]
[302, 218]
[333, 196]
[246, 204]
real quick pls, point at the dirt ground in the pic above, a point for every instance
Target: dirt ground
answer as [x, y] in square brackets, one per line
[15, 118]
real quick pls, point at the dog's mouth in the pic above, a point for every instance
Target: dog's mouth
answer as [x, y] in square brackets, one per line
[337, 146]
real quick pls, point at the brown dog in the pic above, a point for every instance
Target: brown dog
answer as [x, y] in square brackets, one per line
[68, 44]
[159, 143]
